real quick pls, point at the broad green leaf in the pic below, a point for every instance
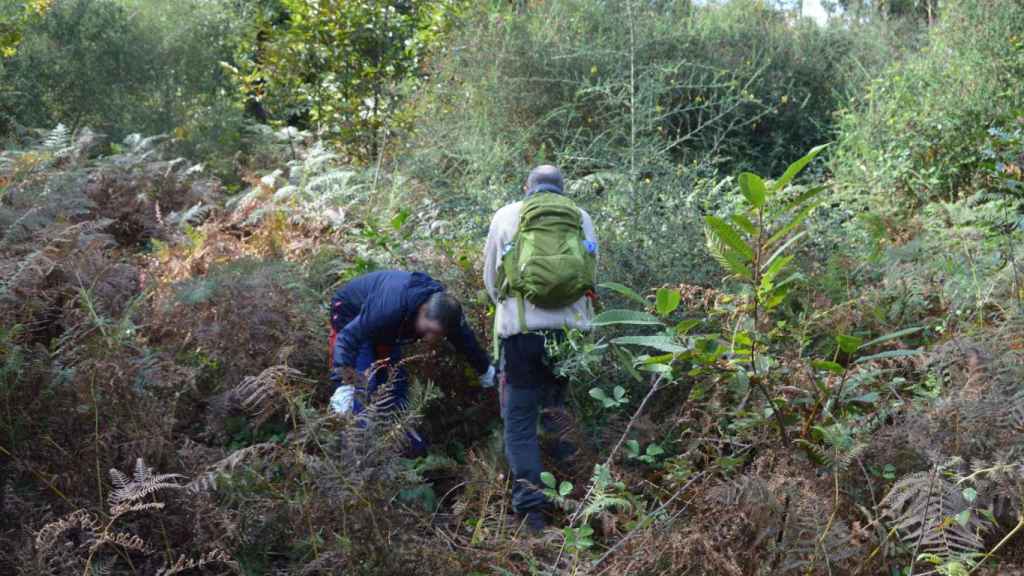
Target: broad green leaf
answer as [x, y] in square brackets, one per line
[889, 354]
[828, 365]
[753, 189]
[614, 317]
[729, 236]
[773, 270]
[848, 344]
[633, 447]
[655, 450]
[564, 488]
[548, 479]
[664, 369]
[744, 223]
[619, 392]
[598, 394]
[685, 326]
[667, 301]
[625, 291]
[796, 167]
[661, 343]
[970, 494]
[892, 336]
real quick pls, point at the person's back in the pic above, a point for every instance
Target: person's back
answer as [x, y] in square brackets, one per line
[504, 226]
[528, 383]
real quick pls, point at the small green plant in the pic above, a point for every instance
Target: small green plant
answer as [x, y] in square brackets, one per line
[616, 400]
[648, 456]
[555, 491]
[577, 539]
[755, 246]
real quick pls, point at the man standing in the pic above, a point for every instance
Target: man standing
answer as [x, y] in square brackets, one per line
[373, 316]
[539, 268]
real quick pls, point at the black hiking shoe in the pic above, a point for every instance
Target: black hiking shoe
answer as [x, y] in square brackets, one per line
[534, 523]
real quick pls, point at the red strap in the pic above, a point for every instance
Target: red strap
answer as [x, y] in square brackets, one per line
[330, 348]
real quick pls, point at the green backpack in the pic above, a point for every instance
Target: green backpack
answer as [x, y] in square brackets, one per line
[550, 262]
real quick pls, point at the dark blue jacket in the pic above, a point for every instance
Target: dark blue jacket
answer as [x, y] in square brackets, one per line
[380, 308]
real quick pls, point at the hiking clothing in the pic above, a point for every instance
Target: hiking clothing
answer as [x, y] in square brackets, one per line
[507, 319]
[531, 390]
[380, 309]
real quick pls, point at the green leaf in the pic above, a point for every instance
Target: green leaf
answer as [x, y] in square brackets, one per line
[773, 270]
[685, 326]
[735, 263]
[661, 343]
[614, 317]
[729, 236]
[806, 196]
[399, 219]
[796, 167]
[548, 479]
[778, 252]
[790, 226]
[963, 517]
[667, 301]
[753, 189]
[892, 336]
[633, 447]
[744, 223]
[625, 291]
[848, 344]
[970, 494]
[564, 488]
[619, 392]
[598, 394]
[828, 365]
[654, 450]
[889, 354]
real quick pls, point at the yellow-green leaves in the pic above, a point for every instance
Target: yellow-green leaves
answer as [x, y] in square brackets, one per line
[753, 189]
[796, 167]
[667, 301]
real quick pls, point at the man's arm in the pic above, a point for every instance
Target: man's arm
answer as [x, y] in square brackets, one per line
[465, 343]
[492, 258]
[377, 313]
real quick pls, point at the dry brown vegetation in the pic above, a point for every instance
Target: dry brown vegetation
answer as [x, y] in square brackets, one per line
[149, 327]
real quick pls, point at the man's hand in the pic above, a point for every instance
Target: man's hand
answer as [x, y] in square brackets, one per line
[487, 378]
[343, 398]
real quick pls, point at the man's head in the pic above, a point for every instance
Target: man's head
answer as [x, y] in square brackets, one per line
[439, 316]
[545, 178]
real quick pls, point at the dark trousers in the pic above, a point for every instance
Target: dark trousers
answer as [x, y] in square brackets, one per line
[531, 391]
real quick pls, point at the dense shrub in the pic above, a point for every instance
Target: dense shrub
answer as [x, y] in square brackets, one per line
[644, 123]
[918, 132]
[122, 67]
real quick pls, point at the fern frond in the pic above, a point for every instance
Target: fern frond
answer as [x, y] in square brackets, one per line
[925, 510]
[143, 483]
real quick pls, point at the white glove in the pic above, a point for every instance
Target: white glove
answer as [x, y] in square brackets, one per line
[341, 400]
[487, 378]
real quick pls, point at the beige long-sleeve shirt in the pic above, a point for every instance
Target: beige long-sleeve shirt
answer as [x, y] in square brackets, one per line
[503, 228]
